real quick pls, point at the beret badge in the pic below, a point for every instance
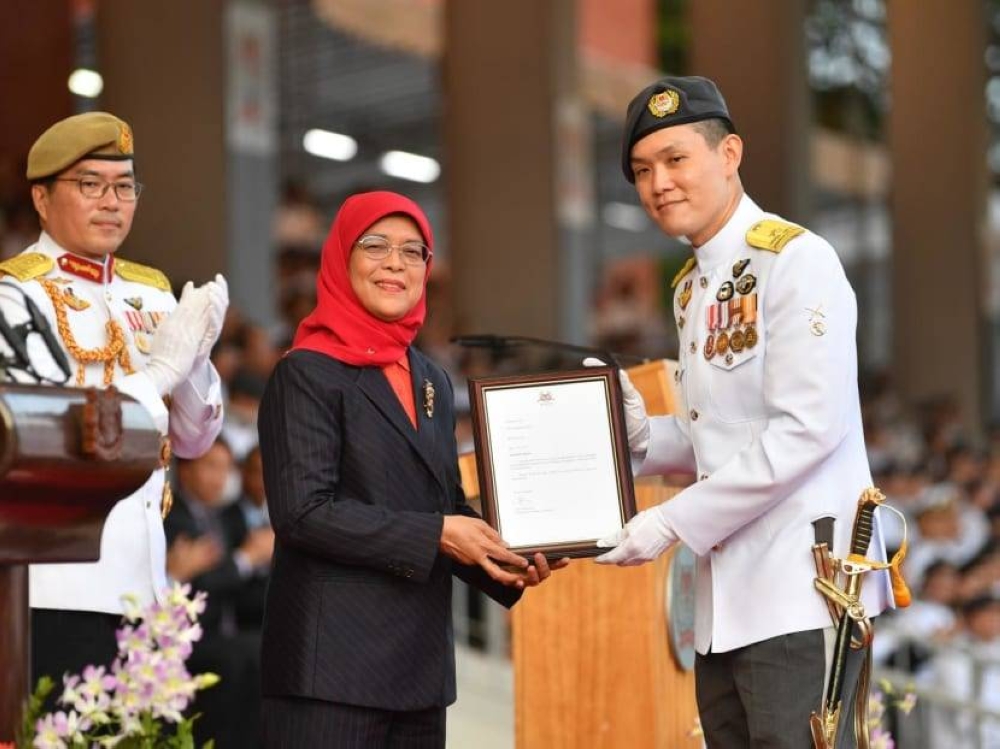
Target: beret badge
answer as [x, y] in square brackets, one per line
[124, 139]
[664, 103]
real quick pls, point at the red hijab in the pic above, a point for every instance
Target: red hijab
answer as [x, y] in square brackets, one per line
[340, 326]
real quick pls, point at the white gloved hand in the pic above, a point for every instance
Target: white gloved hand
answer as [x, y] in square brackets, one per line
[636, 420]
[175, 345]
[642, 540]
[218, 297]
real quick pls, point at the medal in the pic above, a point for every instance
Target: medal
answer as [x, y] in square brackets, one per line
[725, 292]
[135, 302]
[747, 283]
[737, 341]
[740, 266]
[685, 295]
[142, 342]
[722, 343]
[748, 308]
[751, 336]
[710, 346]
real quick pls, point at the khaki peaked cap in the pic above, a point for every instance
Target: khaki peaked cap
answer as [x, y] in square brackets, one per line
[93, 135]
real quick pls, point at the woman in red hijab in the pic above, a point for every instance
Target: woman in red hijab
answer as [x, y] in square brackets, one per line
[361, 475]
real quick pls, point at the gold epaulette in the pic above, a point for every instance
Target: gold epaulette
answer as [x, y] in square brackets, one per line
[772, 235]
[27, 266]
[683, 272]
[142, 274]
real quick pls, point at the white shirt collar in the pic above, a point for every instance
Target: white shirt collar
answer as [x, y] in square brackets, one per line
[53, 249]
[729, 238]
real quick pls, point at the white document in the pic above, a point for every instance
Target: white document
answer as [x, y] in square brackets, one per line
[555, 475]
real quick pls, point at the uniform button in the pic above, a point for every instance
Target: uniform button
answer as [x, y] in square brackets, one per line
[703, 281]
[693, 347]
[409, 573]
[147, 504]
[729, 358]
[694, 415]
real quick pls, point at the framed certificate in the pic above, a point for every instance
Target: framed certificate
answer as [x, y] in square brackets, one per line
[553, 460]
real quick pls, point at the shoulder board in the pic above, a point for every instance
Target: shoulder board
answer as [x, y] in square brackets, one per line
[27, 266]
[683, 272]
[772, 234]
[142, 274]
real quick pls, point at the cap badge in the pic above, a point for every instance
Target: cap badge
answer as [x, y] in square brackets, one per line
[664, 103]
[124, 139]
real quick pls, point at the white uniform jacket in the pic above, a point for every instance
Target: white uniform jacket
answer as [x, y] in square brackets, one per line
[133, 548]
[772, 431]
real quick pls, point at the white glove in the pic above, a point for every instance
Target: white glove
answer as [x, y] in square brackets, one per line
[176, 342]
[636, 420]
[643, 539]
[218, 297]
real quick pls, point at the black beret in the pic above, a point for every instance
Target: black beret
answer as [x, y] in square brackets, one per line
[674, 100]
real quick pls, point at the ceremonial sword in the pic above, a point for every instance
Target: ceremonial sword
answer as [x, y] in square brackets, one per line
[824, 726]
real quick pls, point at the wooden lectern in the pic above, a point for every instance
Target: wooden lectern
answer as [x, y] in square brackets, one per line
[594, 667]
[66, 456]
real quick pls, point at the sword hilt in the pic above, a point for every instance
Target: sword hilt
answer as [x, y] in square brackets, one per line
[861, 536]
[864, 521]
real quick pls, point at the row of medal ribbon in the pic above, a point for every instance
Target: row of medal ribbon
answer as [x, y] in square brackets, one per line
[142, 325]
[735, 320]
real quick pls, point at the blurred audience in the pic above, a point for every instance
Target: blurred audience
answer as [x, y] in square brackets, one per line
[230, 560]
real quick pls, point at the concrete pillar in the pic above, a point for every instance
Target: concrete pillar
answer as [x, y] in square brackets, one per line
[517, 168]
[208, 200]
[937, 136]
[755, 52]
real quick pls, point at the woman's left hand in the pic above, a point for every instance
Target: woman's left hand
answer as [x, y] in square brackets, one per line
[540, 570]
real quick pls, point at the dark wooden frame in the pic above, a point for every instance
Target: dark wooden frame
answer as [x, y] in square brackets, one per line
[480, 386]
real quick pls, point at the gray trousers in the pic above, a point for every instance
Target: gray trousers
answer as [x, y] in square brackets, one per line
[761, 696]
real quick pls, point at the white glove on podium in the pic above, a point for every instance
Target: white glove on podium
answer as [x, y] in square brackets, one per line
[636, 420]
[177, 340]
[642, 540]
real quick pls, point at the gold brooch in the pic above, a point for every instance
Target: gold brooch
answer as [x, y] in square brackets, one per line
[429, 399]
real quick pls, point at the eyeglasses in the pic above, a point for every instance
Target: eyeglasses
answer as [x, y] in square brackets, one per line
[378, 248]
[92, 188]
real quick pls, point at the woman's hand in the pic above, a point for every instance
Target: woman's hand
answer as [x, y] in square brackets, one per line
[541, 570]
[471, 541]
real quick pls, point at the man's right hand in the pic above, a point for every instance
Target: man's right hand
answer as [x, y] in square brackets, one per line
[471, 541]
[175, 344]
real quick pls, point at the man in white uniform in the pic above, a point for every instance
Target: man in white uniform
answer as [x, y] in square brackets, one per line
[770, 423]
[118, 323]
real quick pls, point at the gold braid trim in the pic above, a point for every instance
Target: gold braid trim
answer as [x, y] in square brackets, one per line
[114, 351]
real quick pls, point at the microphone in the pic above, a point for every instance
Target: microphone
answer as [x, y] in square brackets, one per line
[41, 326]
[15, 342]
[499, 343]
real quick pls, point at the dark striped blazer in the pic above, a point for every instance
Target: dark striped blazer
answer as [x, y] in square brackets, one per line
[359, 606]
